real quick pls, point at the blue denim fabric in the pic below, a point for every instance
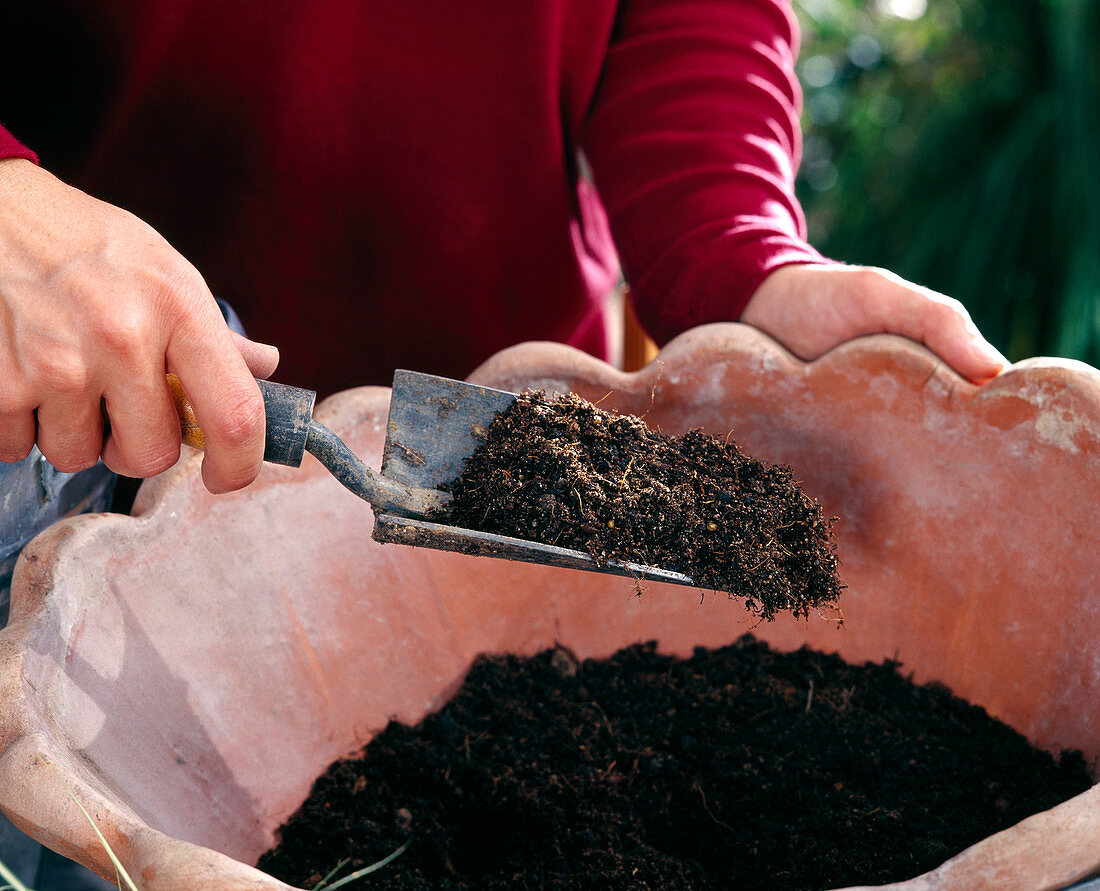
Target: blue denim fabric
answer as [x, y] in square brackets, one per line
[33, 495]
[40, 869]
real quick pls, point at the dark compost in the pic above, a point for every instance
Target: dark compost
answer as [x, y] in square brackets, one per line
[562, 471]
[735, 768]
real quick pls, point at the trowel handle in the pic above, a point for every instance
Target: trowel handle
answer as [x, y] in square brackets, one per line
[289, 412]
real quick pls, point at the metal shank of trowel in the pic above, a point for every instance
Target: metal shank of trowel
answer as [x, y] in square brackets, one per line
[291, 432]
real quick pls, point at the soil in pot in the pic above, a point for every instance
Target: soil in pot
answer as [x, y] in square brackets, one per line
[735, 768]
[562, 471]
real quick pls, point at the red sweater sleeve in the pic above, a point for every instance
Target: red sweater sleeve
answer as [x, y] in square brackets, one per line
[694, 142]
[10, 147]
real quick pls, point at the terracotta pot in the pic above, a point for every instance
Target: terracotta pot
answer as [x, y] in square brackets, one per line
[188, 671]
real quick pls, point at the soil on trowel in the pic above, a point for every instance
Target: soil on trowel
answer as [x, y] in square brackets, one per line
[562, 471]
[735, 768]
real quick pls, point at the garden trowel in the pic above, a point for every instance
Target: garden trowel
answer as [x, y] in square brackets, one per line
[435, 424]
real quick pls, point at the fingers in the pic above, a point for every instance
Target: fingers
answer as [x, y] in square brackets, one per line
[946, 328]
[144, 437]
[939, 322]
[226, 401]
[70, 432]
[17, 432]
[144, 430]
[217, 369]
[261, 358]
[50, 398]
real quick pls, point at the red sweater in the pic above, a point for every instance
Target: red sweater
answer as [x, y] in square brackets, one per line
[381, 183]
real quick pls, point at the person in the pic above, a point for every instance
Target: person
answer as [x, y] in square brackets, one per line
[375, 184]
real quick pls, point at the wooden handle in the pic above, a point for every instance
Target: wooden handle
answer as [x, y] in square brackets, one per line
[289, 412]
[190, 428]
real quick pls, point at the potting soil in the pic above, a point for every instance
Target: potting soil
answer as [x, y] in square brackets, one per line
[735, 768]
[562, 471]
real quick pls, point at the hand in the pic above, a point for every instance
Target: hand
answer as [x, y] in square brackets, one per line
[95, 308]
[810, 309]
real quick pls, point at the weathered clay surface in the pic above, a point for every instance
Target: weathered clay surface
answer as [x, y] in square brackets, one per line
[177, 667]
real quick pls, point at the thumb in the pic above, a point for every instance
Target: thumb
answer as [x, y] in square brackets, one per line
[261, 358]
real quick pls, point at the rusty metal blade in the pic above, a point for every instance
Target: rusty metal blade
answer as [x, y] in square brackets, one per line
[435, 424]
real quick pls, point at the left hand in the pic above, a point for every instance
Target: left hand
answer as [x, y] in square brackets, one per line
[810, 309]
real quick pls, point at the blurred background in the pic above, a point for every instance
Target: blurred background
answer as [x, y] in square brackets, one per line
[956, 143]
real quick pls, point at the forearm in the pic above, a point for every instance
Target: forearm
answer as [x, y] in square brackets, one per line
[694, 141]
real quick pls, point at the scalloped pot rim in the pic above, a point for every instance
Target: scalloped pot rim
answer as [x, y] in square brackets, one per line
[948, 492]
[718, 343]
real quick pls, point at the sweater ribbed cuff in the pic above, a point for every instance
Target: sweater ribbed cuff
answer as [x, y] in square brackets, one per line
[10, 147]
[718, 283]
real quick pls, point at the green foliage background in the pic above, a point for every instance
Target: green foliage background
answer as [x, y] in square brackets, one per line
[956, 142]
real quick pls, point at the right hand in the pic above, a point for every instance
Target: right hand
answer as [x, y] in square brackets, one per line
[95, 308]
